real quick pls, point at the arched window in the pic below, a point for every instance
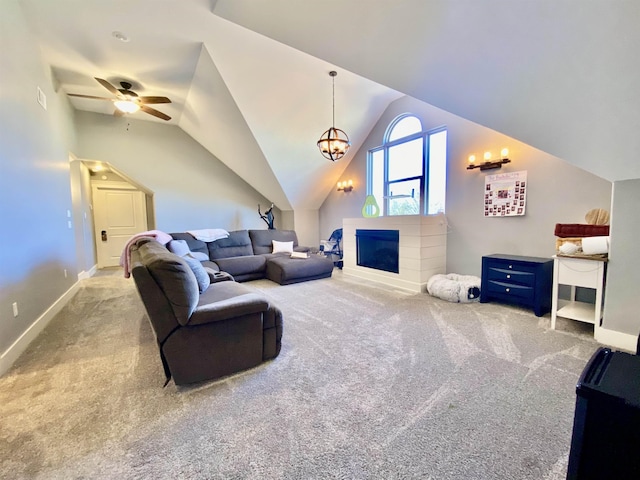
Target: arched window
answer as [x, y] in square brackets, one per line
[407, 173]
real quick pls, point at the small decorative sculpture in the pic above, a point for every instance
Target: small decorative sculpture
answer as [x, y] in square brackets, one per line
[370, 208]
[267, 217]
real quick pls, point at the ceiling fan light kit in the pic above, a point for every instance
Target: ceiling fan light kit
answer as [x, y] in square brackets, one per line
[127, 106]
[128, 101]
[334, 143]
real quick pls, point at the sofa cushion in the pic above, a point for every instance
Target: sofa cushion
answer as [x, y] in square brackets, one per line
[282, 247]
[285, 270]
[239, 266]
[202, 277]
[227, 300]
[181, 248]
[235, 245]
[262, 240]
[194, 244]
[174, 276]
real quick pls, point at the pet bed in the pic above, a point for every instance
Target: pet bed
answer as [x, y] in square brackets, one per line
[454, 288]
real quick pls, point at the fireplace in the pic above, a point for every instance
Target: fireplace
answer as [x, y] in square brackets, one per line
[421, 249]
[378, 249]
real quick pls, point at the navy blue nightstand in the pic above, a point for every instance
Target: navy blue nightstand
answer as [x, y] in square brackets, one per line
[524, 281]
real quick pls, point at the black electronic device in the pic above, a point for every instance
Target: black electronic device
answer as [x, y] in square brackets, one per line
[606, 430]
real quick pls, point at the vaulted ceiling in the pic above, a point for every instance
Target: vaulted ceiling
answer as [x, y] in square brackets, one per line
[248, 79]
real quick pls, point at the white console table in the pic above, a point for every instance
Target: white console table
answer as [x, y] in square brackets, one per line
[578, 272]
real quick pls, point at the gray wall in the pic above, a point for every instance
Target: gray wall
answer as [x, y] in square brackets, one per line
[191, 188]
[623, 274]
[82, 217]
[558, 192]
[37, 244]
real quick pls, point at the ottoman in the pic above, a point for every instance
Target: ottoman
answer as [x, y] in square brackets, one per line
[285, 270]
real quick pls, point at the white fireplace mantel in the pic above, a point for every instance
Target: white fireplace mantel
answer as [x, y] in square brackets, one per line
[422, 249]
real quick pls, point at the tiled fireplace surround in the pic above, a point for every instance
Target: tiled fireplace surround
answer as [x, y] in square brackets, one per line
[422, 249]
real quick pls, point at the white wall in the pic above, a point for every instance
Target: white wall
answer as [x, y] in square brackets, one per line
[623, 269]
[558, 192]
[191, 188]
[37, 244]
[307, 227]
[82, 218]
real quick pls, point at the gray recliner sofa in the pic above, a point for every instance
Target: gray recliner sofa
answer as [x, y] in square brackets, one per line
[247, 255]
[202, 335]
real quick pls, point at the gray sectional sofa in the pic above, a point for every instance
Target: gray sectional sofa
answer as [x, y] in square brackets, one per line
[204, 331]
[248, 255]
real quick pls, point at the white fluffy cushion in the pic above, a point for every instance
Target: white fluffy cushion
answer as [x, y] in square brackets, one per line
[282, 247]
[454, 288]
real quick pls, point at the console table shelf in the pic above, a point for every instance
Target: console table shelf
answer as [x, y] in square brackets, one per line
[575, 310]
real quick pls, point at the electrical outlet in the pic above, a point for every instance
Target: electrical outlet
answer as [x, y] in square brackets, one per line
[15, 309]
[65, 273]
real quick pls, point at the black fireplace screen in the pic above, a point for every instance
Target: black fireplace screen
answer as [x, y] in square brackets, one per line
[378, 249]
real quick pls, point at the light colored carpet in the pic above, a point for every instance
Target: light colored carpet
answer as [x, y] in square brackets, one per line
[371, 383]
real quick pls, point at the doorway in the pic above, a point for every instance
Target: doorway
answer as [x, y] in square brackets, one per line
[119, 211]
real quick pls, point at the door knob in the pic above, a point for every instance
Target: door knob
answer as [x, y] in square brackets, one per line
[104, 235]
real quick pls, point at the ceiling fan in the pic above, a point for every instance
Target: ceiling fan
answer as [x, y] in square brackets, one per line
[128, 101]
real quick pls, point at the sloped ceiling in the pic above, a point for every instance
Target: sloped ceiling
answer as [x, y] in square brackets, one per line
[249, 78]
[559, 75]
[256, 104]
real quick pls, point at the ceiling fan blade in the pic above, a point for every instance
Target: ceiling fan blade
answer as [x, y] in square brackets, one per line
[151, 100]
[108, 86]
[89, 96]
[154, 112]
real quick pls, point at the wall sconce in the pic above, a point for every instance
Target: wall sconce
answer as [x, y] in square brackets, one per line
[345, 186]
[488, 164]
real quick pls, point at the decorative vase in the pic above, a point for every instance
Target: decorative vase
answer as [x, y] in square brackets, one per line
[370, 201]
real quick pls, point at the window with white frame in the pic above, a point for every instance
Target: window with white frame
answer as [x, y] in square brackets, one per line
[407, 173]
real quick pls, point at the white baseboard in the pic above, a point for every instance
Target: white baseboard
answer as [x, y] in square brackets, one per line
[623, 341]
[84, 275]
[11, 354]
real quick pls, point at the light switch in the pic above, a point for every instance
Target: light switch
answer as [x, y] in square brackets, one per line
[42, 99]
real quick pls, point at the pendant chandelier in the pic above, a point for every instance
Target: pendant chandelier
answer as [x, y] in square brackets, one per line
[334, 143]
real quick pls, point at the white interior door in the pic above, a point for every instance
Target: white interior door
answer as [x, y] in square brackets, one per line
[119, 212]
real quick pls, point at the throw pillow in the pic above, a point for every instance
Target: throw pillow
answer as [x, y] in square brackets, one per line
[179, 247]
[282, 247]
[198, 256]
[198, 270]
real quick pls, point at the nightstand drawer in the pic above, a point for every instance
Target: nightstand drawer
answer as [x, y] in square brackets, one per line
[509, 289]
[512, 276]
[579, 272]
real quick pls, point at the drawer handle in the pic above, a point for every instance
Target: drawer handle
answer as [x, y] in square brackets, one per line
[508, 276]
[507, 290]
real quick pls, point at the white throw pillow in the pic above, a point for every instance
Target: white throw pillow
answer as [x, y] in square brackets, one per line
[282, 247]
